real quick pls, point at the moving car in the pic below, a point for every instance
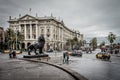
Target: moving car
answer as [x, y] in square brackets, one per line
[76, 53]
[103, 55]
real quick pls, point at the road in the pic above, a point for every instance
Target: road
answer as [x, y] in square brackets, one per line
[95, 69]
[89, 66]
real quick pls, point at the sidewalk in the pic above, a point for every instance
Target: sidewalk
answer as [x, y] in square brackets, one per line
[15, 69]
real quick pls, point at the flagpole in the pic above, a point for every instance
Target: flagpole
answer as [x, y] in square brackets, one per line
[30, 11]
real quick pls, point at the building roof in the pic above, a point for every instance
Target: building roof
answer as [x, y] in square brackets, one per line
[1, 28]
[44, 18]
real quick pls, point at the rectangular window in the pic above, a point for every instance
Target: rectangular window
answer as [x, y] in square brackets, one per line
[48, 30]
[42, 30]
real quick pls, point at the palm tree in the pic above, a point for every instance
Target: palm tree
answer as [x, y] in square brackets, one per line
[111, 37]
[10, 37]
[20, 38]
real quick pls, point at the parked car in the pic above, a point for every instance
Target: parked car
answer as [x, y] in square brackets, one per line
[18, 51]
[9, 51]
[103, 55]
[6, 51]
[76, 53]
[70, 52]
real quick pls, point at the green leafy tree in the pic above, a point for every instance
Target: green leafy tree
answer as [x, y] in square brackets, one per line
[93, 43]
[102, 44]
[76, 43]
[73, 43]
[81, 43]
[75, 39]
[68, 43]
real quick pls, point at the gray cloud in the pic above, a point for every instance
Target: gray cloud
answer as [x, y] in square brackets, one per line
[91, 17]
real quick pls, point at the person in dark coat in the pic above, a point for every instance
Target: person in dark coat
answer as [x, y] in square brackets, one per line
[14, 54]
[67, 57]
[64, 57]
[10, 55]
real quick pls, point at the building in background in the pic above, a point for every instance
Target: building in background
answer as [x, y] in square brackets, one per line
[54, 30]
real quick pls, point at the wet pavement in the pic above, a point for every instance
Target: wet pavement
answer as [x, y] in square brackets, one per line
[96, 69]
[15, 69]
[89, 66]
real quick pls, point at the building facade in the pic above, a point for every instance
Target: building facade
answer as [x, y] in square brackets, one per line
[54, 31]
[2, 37]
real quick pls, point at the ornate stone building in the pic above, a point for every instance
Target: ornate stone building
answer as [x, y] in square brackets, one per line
[54, 31]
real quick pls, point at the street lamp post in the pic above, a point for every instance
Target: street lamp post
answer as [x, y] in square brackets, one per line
[16, 38]
[53, 46]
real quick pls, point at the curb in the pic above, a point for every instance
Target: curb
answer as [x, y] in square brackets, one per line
[74, 74]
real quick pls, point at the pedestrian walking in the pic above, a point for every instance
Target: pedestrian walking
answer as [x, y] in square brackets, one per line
[116, 51]
[10, 55]
[14, 54]
[67, 57]
[64, 57]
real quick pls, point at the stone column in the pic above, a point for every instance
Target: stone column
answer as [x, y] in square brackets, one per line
[19, 28]
[30, 31]
[59, 38]
[36, 31]
[51, 33]
[62, 37]
[25, 31]
[45, 36]
[59, 33]
[62, 34]
[51, 36]
[45, 32]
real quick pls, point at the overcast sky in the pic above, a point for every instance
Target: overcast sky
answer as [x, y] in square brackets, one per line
[93, 18]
